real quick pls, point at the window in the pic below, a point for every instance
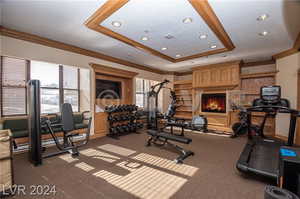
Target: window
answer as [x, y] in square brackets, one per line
[48, 74]
[71, 86]
[59, 84]
[142, 88]
[13, 88]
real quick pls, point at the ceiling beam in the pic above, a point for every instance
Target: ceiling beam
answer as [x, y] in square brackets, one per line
[293, 50]
[71, 48]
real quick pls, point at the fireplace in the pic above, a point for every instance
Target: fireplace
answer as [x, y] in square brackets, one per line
[215, 103]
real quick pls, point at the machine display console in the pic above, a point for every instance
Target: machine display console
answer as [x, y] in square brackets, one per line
[270, 94]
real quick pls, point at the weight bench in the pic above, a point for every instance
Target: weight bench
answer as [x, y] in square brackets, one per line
[162, 138]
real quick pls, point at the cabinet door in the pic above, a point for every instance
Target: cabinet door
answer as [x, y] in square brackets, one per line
[100, 123]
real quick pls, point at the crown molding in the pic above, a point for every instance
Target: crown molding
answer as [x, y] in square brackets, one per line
[71, 48]
[293, 50]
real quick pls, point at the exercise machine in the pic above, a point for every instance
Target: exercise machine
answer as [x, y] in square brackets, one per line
[260, 156]
[35, 125]
[241, 127]
[162, 138]
[153, 113]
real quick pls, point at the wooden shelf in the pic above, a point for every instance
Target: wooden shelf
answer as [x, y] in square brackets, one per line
[189, 111]
[183, 94]
[182, 82]
[184, 116]
[184, 105]
[182, 88]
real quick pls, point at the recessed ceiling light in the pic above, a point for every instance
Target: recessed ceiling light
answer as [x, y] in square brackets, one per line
[263, 33]
[187, 20]
[169, 36]
[262, 17]
[164, 48]
[203, 36]
[178, 55]
[144, 38]
[213, 46]
[116, 24]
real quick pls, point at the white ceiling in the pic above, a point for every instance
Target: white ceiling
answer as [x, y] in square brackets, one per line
[64, 21]
[168, 20]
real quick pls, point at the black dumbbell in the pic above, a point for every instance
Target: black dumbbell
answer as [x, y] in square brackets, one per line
[139, 125]
[126, 128]
[132, 127]
[113, 130]
[119, 129]
[124, 117]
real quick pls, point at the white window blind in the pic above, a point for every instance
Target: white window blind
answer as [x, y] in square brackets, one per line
[14, 76]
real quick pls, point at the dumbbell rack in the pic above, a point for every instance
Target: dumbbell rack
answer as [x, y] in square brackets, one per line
[122, 121]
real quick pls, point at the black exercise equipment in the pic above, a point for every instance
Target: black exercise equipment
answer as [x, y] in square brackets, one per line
[241, 127]
[162, 138]
[122, 120]
[261, 155]
[272, 192]
[153, 113]
[34, 123]
[289, 169]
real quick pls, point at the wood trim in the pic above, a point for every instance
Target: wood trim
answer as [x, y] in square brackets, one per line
[256, 75]
[297, 43]
[112, 71]
[201, 6]
[209, 16]
[293, 50]
[182, 82]
[74, 49]
[217, 65]
[285, 53]
[258, 63]
[183, 73]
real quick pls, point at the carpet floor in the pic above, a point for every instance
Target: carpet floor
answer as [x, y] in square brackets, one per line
[125, 168]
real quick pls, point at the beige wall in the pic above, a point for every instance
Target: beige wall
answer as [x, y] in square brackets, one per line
[287, 78]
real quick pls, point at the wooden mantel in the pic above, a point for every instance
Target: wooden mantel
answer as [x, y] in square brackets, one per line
[217, 75]
[115, 72]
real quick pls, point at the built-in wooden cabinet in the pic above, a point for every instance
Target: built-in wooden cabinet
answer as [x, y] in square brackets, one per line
[225, 75]
[126, 79]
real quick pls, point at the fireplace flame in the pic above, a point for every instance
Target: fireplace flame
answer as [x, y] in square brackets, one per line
[214, 103]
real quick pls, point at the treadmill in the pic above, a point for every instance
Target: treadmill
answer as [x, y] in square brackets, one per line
[261, 154]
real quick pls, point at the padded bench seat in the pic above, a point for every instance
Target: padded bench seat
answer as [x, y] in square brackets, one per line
[19, 126]
[169, 136]
[161, 138]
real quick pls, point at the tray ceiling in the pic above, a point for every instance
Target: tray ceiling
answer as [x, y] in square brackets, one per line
[64, 21]
[189, 28]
